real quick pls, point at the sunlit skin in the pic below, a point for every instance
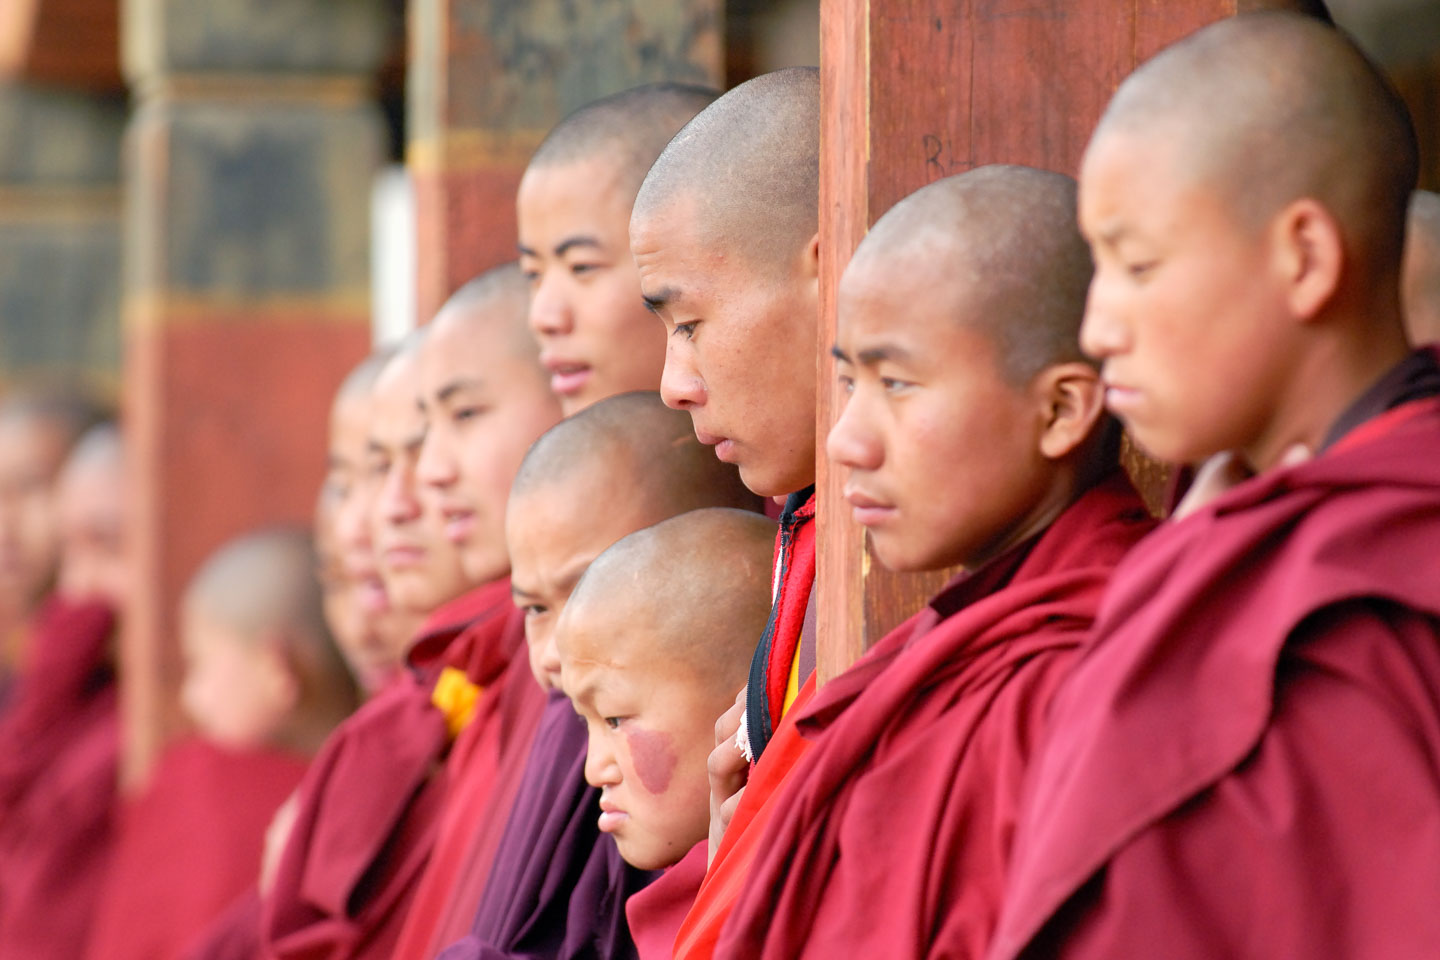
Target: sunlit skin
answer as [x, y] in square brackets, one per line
[945, 462]
[1206, 326]
[420, 567]
[596, 337]
[740, 354]
[553, 537]
[31, 453]
[90, 502]
[651, 726]
[483, 407]
[238, 690]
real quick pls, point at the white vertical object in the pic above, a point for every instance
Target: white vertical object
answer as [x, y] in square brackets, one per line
[392, 255]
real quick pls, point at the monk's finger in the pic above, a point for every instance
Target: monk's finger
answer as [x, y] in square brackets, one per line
[729, 723]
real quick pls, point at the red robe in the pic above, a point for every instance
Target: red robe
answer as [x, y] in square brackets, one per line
[730, 869]
[188, 846]
[59, 760]
[234, 935]
[488, 764]
[655, 913]
[1246, 763]
[892, 835]
[371, 803]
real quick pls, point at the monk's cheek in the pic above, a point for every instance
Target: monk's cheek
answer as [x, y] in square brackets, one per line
[653, 755]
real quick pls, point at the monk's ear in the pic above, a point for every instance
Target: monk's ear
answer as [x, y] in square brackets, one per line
[811, 264]
[1309, 254]
[282, 673]
[1073, 400]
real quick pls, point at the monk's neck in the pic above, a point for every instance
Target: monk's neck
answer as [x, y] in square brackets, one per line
[1326, 381]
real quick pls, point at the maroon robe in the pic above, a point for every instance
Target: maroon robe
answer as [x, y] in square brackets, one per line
[59, 760]
[655, 913]
[370, 806]
[1246, 763]
[234, 935]
[892, 835]
[188, 846]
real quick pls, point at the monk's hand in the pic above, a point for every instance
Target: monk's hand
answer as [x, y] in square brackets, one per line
[728, 769]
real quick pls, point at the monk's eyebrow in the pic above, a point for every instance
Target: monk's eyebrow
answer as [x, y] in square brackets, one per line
[1110, 233]
[839, 354]
[445, 393]
[660, 299]
[870, 356]
[520, 593]
[569, 243]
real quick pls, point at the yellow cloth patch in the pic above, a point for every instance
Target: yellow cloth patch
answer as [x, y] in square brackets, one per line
[456, 697]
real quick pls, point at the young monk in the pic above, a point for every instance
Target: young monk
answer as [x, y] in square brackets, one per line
[1421, 288]
[596, 337]
[38, 428]
[645, 669]
[1243, 765]
[370, 630]
[975, 435]
[558, 886]
[725, 236]
[264, 685]
[59, 742]
[372, 803]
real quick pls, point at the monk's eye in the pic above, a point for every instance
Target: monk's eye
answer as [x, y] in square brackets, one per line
[580, 269]
[686, 330]
[462, 414]
[613, 723]
[847, 384]
[1140, 271]
[532, 610]
[893, 385]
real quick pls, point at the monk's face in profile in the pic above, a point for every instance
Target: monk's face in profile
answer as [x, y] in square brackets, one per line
[421, 569]
[741, 350]
[941, 454]
[651, 722]
[596, 337]
[554, 534]
[1186, 311]
[31, 453]
[238, 689]
[484, 405]
[369, 632]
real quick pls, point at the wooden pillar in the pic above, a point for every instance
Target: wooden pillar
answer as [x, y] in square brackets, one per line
[489, 78]
[916, 90]
[250, 157]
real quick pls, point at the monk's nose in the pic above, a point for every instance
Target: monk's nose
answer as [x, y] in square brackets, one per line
[550, 313]
[852, 442]
[681, 386]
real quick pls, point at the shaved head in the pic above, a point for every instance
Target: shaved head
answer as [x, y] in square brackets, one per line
[750, 165]
[631, 127]
[360, 381]
[498, 298]
[1267, 108]
[637, 437]
[1422, 268]
[695, 589]
[266, 581]
[1001, 244]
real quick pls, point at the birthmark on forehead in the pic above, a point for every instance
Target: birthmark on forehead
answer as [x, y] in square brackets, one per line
[654, 758]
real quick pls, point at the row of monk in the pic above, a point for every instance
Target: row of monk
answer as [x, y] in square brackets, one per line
[591, 725]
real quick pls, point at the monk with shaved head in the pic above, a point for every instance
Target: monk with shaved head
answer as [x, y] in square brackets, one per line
[644, 669]
[973, 434]
[596, 337]
[1243, 764]
[388, 774]
[264, 686]
[1422, 268]
[725, 234]
[558, 886]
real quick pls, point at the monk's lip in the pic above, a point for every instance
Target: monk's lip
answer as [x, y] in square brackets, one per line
[458, 525]
[567, 376]
[866, 510]
[1120, 398]
[403, 557]
[724, 446]
[612, 820]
